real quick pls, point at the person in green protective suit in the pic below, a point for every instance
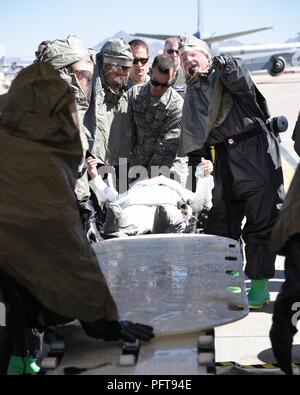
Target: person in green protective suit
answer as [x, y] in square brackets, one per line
[73, 61]
[107, 118]
[49, 274]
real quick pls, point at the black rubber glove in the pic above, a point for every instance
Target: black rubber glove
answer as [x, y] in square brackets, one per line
[219, 62]
[118, 330]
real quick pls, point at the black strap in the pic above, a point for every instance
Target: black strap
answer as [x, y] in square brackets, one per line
[234, 140]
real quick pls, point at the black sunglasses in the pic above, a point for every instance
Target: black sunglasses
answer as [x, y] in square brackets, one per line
[171, 51]
[143, 61]
[156, 83]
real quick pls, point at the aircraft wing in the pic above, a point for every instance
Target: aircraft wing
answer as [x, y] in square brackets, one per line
[155, 36]
[209, 40]
[225, 37]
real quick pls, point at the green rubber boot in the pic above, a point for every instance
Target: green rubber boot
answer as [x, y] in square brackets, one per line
[16, 366]
[259, 295]
[31, 368]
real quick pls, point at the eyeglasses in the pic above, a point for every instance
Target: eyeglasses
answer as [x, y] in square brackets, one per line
[143, 61]
[172, 51]
[156, 83]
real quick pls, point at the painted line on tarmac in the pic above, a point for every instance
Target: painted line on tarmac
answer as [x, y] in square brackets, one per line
[269, 366]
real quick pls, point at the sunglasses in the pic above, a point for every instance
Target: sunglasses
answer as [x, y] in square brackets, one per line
[156, 83]
[143, 61]
[172, 51]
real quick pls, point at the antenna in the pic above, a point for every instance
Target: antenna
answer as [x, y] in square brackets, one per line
[199, 24]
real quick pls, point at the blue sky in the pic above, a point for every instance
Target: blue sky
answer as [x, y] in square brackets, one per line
[24, 23]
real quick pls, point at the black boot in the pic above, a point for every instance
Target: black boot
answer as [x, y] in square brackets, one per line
[282, 344]
[89, 220]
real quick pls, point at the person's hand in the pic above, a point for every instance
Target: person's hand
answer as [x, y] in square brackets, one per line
[219, 62]
[207, 167]
[92, 167]
[118, 330]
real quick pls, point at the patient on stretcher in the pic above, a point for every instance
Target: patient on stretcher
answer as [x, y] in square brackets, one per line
[153, 206]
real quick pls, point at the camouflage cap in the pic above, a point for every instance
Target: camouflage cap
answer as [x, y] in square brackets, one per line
[190, 43]
[117, 51]
[62, 53]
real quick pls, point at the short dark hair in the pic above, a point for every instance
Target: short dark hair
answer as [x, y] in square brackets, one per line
[164, 64]
[170, 40]
[139, 43]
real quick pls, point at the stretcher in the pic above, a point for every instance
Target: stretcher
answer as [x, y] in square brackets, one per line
[183, 286]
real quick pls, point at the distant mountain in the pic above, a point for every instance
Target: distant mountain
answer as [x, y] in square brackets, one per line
[120, 34]
[155, 47]
[294, 40]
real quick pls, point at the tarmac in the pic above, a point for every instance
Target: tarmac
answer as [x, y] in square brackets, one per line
[247, 342]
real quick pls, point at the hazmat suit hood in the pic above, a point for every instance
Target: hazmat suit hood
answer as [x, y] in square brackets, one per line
[117, 52]
[43, 246]
[62, 53]
[191, 43]
[31, 114]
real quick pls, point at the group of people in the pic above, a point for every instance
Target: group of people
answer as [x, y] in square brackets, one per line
[74, 110]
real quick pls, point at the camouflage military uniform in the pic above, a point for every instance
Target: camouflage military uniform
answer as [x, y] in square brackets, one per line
[131, 83]
[155, 127]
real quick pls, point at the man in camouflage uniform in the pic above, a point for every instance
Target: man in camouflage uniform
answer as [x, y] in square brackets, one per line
[139, 73]
[155, 111]
[73, 61]
[107, 118]
[172, 50]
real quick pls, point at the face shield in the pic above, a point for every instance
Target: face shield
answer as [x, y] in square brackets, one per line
[84, 74]
[116, 72]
